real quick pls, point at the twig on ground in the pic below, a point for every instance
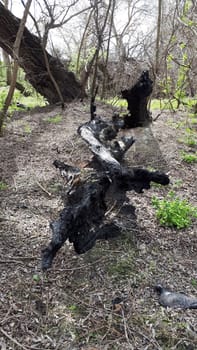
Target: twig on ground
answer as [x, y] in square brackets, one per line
[17, 259]
[126, 332]
[154, 342]
[109, 327]
[12, 339]
[2, 344]
[42, 188]
[110, 209]
[6, 316]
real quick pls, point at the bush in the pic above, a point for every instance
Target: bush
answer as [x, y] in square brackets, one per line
[173, 211]
[189, 157]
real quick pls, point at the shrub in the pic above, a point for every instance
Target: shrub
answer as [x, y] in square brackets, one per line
[173, 211]
[189, 157]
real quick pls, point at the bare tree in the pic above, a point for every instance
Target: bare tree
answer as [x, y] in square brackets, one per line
[158, 38]
[33, 61]
[16, 54]
[55, 14]
[6, 58]
[100, 17]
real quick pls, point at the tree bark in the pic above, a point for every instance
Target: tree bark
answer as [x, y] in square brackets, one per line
[84, 217]
[32, 60]
[158, 39]
[137, 99]
[16, 48]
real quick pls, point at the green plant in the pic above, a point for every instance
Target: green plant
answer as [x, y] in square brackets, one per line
[54, 120]
[189, 157]
[194, 282]
[173, 211]
[3, 186]
[36, 278]
[27, 129]
[74, 308]
[177, 183]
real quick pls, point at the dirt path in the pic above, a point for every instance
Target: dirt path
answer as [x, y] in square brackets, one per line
[72, 306]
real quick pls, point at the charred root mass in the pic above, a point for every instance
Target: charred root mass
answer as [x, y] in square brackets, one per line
[83, 219]
[137, 99]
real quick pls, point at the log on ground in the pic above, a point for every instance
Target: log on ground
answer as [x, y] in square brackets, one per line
[83, 220]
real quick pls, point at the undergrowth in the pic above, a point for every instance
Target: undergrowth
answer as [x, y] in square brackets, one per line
[3, 186]
[54, 120]
[173, 211]
[31, 101]
[189, 157]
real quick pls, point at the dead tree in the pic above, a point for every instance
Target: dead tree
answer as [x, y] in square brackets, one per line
[83, 219]
[32, 58]
[137, 99]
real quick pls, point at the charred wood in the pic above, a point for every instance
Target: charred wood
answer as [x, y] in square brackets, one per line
[82, 219]
[137, 99]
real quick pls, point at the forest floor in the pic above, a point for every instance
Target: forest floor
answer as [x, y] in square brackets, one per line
[104, 299]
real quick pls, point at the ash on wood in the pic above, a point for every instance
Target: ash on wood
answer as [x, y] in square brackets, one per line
[84, 217]
[137, 99]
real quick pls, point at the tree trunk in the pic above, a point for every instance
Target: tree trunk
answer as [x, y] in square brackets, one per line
[6, 60]
[137, 99]
[32, 60]
[158, 39]
[105, 181]
[16, 48]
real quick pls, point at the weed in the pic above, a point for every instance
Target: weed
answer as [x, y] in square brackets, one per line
[190, 138]
[194, 282]
[189, 157]
[54, 120]
[177, 183]
[36, 278]
[74, 308]
[27, 129]
[163, 104]
[31, 101]
[3, 186]
[191, 142]
[122, 268]
[173, 211]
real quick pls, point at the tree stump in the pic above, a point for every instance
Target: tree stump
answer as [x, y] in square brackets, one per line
[137, 99]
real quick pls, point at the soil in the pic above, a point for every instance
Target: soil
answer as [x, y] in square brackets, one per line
[104, 299]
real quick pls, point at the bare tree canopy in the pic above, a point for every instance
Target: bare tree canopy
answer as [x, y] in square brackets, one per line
[33, 59]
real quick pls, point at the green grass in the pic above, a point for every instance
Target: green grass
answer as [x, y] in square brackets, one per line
[189, 157]
[194, 282]
[3, 186]
[27, 129]
[156, 104]
[189, 140]
[54, 120]
[173, 211]
[30, 102]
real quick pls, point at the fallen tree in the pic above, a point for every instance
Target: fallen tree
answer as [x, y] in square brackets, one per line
[84, 217]
[37, 62]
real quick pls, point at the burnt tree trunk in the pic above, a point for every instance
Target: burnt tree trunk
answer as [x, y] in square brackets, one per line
[32, 60]
[84, 217]
[137, 99]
